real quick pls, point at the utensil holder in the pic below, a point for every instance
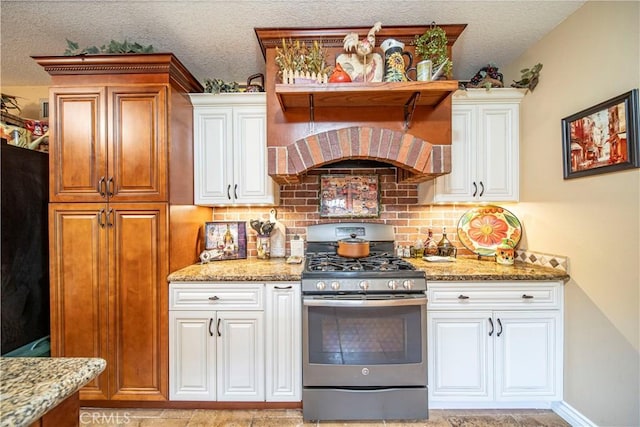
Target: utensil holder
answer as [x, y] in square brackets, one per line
[263, 245]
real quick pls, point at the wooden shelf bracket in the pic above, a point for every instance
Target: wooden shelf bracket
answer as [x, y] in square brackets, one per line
[409, 108]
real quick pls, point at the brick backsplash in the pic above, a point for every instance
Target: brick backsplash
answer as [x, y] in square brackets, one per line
[299, 208]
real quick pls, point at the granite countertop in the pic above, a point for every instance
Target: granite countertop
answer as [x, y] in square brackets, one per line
[470, 268]
[31, 386]
[276, 270]
[251, 270]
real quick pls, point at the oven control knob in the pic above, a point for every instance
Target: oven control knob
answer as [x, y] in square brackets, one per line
[364, 285]
[320, 286]
[335, 285]
[393, 284]
[407, 284]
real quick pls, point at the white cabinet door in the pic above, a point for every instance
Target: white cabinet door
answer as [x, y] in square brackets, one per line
[213, 155]
[240, 355]
[283, 346]
[252, 183]
[484, 151]
[497, 155]
[461, 356]
[230, 150]
[528, 355]
[457, 186]
[192, 355]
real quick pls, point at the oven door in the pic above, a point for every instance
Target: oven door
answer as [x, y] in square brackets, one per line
[364, 341]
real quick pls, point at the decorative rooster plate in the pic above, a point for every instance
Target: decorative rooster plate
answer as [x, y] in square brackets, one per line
[482, 229]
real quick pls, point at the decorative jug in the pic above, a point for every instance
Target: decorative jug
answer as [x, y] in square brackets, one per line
[395, 69]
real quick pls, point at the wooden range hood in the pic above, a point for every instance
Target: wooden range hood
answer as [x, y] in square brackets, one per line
[404, 125]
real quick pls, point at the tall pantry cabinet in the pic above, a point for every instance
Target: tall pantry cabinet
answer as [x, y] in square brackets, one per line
[121, 159]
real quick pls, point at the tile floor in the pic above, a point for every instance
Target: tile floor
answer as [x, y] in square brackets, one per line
[293, 417]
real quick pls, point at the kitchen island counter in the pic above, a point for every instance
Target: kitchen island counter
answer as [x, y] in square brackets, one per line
[276, 270]
[30, 387]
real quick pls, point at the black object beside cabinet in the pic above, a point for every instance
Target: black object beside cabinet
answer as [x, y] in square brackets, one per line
[25, 247]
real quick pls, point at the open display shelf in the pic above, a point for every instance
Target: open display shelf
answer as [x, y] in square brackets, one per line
[384, 94]
[407, 95]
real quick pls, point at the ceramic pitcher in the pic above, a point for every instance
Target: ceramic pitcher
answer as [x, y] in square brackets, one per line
[395, 69]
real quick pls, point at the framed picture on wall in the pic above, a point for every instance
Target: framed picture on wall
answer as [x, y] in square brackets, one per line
[349, 196]
[603, 138]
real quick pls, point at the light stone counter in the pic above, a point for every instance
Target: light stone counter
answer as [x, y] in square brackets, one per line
[249, 270]
[276, 270]
[31, 386]
[469, 268]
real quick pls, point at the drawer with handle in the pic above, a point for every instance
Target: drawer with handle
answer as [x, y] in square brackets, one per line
[216, 296]
[494, 295]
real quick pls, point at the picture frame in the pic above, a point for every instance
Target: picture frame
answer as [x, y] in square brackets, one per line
[602, 138]
[225, 240]
[349, 196]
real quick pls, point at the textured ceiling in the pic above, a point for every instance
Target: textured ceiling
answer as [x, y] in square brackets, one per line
[216, 39]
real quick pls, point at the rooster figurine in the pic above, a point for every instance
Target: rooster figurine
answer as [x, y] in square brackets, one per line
[362, 47]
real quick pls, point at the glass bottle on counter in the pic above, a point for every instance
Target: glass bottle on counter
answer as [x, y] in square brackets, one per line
[445, 247]
[419, 249]
[406, 252]
[430, 246]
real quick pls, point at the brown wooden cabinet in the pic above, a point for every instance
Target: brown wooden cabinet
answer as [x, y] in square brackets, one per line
[121, 171]
[107, 272]
[110, 143]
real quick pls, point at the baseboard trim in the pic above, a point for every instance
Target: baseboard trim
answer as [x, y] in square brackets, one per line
[443, 404]
[571, 415]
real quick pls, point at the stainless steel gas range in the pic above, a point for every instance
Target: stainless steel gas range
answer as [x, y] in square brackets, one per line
[364, 329]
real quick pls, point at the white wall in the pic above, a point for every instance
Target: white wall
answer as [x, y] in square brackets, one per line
[592, 56]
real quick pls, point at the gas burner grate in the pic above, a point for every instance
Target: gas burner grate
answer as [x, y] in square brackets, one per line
[375, 262]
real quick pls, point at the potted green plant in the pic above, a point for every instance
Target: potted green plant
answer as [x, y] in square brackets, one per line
[73, 48]
[432, 45]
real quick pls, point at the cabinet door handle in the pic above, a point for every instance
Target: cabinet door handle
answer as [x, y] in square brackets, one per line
[283, 287]
[100, 186]
[100, 221]
[525, 296]
[499, 324]
[210, 325]
[475, 189]
[461, 297]
[110, 186]
[109, 214]
[214, 298]
[235, 191]
[481, 189]
[229, 191]
[218, 327]
[491, 323]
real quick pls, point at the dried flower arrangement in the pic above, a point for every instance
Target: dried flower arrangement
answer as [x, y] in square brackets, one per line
[297, 61]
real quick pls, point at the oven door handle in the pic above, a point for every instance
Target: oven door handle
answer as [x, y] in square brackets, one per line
[316, 302]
